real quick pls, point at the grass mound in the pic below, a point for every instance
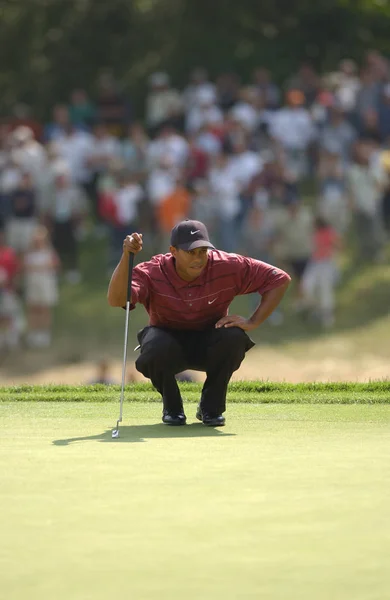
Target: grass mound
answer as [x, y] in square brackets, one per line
[375, 392]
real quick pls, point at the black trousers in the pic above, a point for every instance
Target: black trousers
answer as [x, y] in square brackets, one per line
[166, 352]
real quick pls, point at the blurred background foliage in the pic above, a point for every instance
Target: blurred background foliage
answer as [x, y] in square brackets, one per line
[51, 46]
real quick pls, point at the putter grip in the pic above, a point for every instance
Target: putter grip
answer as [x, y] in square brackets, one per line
[130, 276]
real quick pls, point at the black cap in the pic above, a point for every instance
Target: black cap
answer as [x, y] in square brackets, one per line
[188, 235]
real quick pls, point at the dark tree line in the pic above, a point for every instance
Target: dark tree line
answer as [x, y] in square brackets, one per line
[50, 46]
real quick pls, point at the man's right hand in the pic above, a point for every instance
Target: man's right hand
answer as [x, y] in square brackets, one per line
[133, 243]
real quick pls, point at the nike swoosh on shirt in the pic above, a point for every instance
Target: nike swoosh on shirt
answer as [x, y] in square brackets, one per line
[211, 301]
[197, 231]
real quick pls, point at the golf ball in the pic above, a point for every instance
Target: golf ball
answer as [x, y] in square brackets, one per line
[115, 433]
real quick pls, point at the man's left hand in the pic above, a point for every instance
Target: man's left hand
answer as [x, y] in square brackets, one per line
[235, 321]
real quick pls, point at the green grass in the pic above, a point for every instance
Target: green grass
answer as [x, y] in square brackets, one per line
[375, 392]
[288, 501]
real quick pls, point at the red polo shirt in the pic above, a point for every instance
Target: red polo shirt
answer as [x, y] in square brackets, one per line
[172, 302]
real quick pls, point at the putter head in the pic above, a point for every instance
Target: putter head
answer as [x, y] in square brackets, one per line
[115, 433]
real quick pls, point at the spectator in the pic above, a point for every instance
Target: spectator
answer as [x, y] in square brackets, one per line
[259, 237]
[163, 104]
[81, 110]
[170, 145]
[348, 85]
[366, 183]
[292, 127]
[112, 108]
[74, 147]
[10, 177]
[384, 114]
[203, 207]
[22, 114]
[385, 163]
[58, 126]
[29, 154]
[120, 209]
[23, 214]
[307, 81]
[225, 193]
[40, 266]
[198, 81]
[246, 111]
[204, 112]
[244, 165]
[338, 134]
[293, 241]
[66, 210]
[367, 99]
[227, 90]
[197, 164]
[319, 279]
[333, 200]
[175, 207]
[266, 88]
[161, 181]
[135, 150]
[207, 140]
[10, 310]
[104, 149]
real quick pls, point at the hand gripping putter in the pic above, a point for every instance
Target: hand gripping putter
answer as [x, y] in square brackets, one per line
[115, 432]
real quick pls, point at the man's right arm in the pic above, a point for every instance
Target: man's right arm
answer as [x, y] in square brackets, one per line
[117, 288]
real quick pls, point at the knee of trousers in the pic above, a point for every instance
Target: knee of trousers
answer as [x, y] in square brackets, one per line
[231, 342]
[160, 357]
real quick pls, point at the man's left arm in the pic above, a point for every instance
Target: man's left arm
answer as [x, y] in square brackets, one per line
[271, 283]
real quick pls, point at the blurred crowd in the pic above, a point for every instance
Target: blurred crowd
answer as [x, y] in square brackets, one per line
[291, 174]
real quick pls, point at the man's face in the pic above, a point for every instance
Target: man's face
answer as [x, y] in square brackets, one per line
[190, 264]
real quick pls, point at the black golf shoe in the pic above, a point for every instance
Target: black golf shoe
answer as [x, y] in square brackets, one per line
[170, 418]
[210, 419]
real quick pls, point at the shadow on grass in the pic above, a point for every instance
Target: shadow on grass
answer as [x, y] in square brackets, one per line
[141, 433]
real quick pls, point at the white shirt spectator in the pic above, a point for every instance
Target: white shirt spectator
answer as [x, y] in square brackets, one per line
[203, 115]
[160, 184]
[29, 154]
[67, 203]
[365, 184]
[193, 93]
[208, 142]
[338, 138]
[173, 147]
[347, 92]
[32, 159]
[225, 190]
[75, 149]
[245, 166]
[293, 128]
[103, 149]
[126, 200]
[162, 104]
[9, 179]
[246, 115]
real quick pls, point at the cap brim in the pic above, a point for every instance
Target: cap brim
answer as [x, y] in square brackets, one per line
[197, 244]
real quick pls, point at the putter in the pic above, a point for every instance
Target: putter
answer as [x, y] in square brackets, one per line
[115, 432]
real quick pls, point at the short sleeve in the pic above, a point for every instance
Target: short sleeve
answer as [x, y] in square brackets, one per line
[258, 276]
[139, 287]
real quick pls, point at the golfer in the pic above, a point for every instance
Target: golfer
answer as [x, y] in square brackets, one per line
[187, 293]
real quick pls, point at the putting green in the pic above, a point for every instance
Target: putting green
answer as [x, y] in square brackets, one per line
[285, 502]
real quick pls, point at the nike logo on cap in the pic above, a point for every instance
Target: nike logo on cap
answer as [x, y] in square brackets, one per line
[211, 301]
[197, 231]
